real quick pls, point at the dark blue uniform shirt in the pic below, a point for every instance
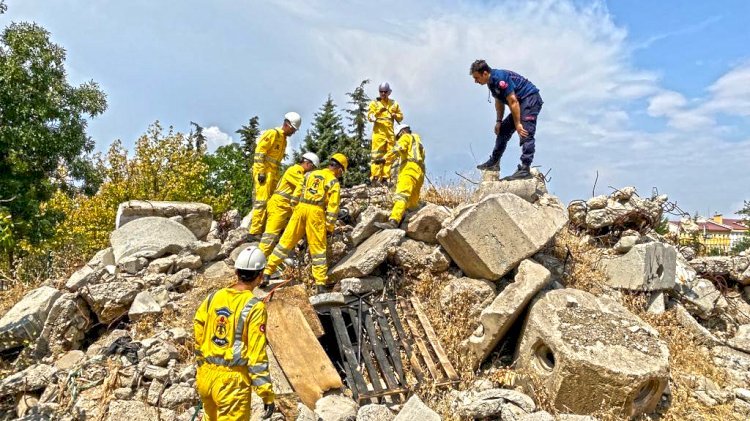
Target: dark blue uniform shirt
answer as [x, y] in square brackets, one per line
[505, 82]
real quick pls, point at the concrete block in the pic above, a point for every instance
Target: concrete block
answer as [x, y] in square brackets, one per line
[646, 267]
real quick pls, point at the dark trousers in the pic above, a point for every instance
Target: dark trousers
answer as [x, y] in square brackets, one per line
[530, 108]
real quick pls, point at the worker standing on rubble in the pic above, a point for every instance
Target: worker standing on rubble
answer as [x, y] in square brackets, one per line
[279, 206]
[266, 167]
[230, 345]
[382, 113]
[410, 152]
[314, 216]
[525, 103]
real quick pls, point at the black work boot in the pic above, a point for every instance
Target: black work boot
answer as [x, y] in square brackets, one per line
[523, 172]
[490, 165]
[391, 224]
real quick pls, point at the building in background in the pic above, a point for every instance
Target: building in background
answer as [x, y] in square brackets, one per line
[716, 235]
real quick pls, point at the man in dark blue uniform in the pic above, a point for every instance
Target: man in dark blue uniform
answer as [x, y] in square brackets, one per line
[522, 97]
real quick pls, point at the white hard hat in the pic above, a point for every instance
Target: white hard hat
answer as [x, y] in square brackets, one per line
[312, 158]
[252, 258]
[294, 119]
[385, 86]
[400, 127]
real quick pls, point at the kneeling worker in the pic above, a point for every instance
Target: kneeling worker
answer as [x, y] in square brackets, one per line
[313, 217]
[230, 345]
[410, 151]
[280, 207]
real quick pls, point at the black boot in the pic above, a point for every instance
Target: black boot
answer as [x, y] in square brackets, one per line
[323, 289]
[391, 224]
[523, 172]
[490, 165]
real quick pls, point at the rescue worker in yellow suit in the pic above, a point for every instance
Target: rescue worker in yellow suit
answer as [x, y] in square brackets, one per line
[230, 345]
[314, 216]
[266, 167]
[382, 112]
[410, 152]
[280, 207]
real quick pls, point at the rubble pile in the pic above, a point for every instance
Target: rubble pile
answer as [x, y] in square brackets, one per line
[80, 352]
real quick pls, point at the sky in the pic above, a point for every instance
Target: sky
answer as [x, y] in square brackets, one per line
[650, 94]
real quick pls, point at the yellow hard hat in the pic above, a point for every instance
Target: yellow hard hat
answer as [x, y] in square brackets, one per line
[341, 159]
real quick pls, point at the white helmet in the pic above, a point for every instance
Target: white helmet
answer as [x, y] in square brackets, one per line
[400, 127]
[294, 119]
[252, 258]
[385, 86]
[312, 158]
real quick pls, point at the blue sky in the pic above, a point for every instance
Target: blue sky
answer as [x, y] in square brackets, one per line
[650, 94]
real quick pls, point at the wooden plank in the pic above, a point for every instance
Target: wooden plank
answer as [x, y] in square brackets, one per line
[340, 327]
[299, 354]
[434, 341]
[372, 371]
[404, 340]
[424, 351]
[385, 366]
[347, 368]
[297, 296]
[390, 342]
[281, 384]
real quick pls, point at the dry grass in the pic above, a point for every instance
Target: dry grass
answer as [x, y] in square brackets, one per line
[581, 262]
[450, 195]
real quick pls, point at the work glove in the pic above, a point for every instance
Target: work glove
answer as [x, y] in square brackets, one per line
[262, 179]
[268, 409]
[378, 161]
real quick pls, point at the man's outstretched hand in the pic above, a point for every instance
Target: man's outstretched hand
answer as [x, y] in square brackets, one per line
[268, 409]
[497, 128]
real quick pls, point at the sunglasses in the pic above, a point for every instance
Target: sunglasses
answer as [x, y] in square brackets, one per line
[384, 92]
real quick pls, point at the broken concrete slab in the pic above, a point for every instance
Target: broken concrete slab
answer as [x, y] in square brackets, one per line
[189, 261]
[359, 286]
[328, 299]
[496, 319]
[207, 250]
[415, 410]
[489, 403]
[150, 237]
[416, 256]
[366, 225]
[137, 410]
[111, 300]
[197, 217]
[65, 328]
[165, 264]
[646, 267]
[367, 256]
[702, 298]
[588, 352]
[736, 363]
[657, 303]
[374, 412]
[23, 323]
[33, 378]
[741, 339]
[472, 294]
[529, 189]
[132, 264]
[491, 238]
[218, 271]
[424, 224]
[336, 408]
[234, 238]
[143, 305]
[84, 276]
[700, 333]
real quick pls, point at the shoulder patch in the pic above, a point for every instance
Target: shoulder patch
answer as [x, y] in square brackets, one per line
[502, 84]
[262, 328]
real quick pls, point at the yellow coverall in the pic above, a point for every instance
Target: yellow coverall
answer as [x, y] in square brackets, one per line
[382, 134]
[313, 217]
[230, 348]
[280, 207]
[410, 151]
[267, 160]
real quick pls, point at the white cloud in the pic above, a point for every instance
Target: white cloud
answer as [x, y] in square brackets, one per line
[665, 103]
[215, 138]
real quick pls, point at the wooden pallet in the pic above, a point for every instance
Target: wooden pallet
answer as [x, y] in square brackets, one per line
[371, 340]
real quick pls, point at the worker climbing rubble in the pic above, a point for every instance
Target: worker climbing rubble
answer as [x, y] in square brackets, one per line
[315, 214]
[525, 103]
[279, 206]
[230, 345]
[411, 174]
[267, 167]
[382, 113]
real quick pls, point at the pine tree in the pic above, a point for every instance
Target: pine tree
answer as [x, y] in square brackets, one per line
[197, 138]
[327, 134]
[248, 136]
[357, 147]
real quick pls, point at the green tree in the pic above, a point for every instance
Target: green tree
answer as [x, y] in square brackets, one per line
[744, 244]
[327, 134]
[229, 173]
[42, 127]
[248, 136]
[198, 138]
[357, 146]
